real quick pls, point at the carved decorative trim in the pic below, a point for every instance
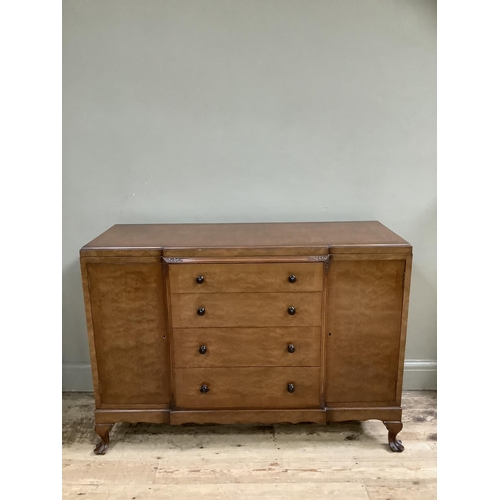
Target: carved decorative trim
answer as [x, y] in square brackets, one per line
[321, 258]
[246, 260]
[102, 430]
[394, 427]
[327, 264]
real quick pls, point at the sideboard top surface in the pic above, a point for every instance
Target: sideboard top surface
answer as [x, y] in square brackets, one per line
[242, 238]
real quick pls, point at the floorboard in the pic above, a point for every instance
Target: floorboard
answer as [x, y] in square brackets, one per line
[345, 460]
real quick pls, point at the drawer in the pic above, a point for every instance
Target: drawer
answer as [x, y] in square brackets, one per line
[245, 309]
[247, 388]
[225, 278]
[221, 347]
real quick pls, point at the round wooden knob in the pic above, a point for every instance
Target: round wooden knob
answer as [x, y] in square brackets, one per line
[200, 280]
[291, 348]
[202, 349]
[292, 278]
[291, 310]
[291, 388]
[204, 389]
[201, 311]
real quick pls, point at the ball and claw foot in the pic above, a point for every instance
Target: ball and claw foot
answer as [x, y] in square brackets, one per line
[394, 428]
[102, 430]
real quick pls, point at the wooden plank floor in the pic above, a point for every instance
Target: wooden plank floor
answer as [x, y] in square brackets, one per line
[345, 460]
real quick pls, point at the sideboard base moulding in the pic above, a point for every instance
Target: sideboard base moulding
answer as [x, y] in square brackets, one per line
[247, 324]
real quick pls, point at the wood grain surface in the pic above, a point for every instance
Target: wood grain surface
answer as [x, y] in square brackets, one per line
[256, 387]
[224, 278]
[365, 300]
[227, 347]
[149, 239]
[265, 417]
[245, 309]
[129, 332]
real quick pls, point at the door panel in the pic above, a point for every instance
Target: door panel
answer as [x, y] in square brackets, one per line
[363, 330]
[127, 302]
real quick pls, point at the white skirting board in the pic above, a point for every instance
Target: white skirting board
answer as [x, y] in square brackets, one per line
[420, 374]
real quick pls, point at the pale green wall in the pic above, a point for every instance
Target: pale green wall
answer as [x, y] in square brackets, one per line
[224, 111]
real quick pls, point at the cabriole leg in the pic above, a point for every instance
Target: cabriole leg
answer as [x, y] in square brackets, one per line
[394, 428]
[102, 430]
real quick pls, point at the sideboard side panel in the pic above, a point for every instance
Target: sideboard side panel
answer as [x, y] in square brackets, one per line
[90, 331]
[404, 325]
[364, 319]
[129, 331]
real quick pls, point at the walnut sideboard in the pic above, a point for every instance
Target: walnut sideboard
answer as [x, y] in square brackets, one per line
[247, 323]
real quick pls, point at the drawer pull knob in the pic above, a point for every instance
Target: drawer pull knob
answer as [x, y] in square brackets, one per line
[202, 349]
[291, 310]
[204, 389]
[291, 388]
[292, 278]
[201, 311]
[291, 348]
[200, 280]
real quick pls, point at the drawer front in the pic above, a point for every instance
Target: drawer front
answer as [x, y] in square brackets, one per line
[246, 309]
[247, 388]
[225, 278]
[221, 347]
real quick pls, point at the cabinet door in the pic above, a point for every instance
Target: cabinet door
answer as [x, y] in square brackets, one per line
[129, 332]
[364, 329]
